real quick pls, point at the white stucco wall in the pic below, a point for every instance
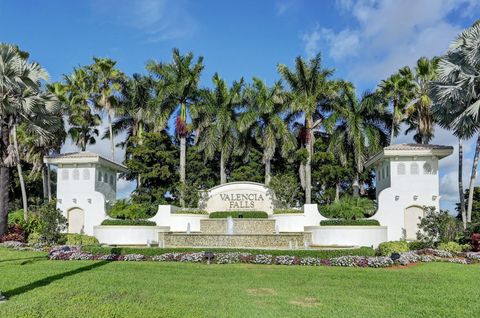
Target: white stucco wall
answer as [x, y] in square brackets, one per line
[406, 190]
[78, 187]
[177, 222]
[348, 235]
[127, 235]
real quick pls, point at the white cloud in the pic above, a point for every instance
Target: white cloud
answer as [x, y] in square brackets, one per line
[158, 20]
[311, 42]
[282, 7]
[386, 35]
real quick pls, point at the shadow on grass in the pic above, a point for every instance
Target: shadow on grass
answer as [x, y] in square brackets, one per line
[50, 279]
[25, 260]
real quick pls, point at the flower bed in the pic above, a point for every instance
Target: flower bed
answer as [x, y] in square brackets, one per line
[67, 252]
[425, 255]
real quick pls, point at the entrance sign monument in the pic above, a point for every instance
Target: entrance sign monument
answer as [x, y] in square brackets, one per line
[238, 196]
[407, 180]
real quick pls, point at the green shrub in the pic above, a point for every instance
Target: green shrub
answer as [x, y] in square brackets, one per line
[287, 190]
[80, 239]
[387, 248]
[287, 211]
[418, 245]
[361, 251]
[51, 222]
[191, 211]
[17, 217]
[34, 238]
[349, 208]
[451, 247]
[128, 222]
[339, 222]
[439, 227]
[131, 211]
[236, 214]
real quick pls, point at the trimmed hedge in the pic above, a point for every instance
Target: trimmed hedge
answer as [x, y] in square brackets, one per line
[128, 222]
[236, 214]
[152, 251]
[341, 222]
[387, 248]
[79, 239]
[287, 211]
[191, 211]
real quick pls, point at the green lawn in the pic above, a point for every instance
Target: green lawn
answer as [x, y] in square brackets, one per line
[37, 287]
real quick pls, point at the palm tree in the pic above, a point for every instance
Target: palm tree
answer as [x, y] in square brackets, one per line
[177, 91]
[75, 95]
[361, 129]
[217, 114]
[106, 85]
[263, 117]
[36, 149]
[136, 112]
[397, 91]
[310, 93]
[456, 96]
[419, 114]
[20, 101]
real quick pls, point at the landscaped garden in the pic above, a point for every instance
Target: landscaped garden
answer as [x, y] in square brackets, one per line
[37, 287]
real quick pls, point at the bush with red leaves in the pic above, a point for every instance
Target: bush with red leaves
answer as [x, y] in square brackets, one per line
[475, 241]
[14, 233]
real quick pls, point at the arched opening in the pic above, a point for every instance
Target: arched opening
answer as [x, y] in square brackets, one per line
[76, 220]
[413, 215]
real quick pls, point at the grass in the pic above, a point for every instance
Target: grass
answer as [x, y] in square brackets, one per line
[37, 287]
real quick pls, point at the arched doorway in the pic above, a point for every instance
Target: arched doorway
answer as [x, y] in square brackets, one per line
[413, 214]
[76, 220]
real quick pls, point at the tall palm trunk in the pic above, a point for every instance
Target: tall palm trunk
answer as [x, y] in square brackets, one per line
[268, 169]
[308, 165]
[337, 191]
[460, 184]
[49, 183]
[4, 179]
[45, 182]
[183, 149]
[20, 173]
[392, 133]
[472, 181]
[223, 174]
[356, 185]
[112, 141]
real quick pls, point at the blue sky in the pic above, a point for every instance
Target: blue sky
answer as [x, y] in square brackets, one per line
[364, 40]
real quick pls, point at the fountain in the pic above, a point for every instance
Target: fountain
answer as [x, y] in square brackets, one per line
[188, 228]
[229, 225]
[277, 231]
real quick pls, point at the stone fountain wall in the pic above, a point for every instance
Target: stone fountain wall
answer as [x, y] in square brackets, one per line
[240, 226]
[258, 233]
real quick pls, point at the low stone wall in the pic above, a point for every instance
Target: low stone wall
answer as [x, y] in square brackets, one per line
[240, 226]
[238, 240]
[127, 235]
[347, 235]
